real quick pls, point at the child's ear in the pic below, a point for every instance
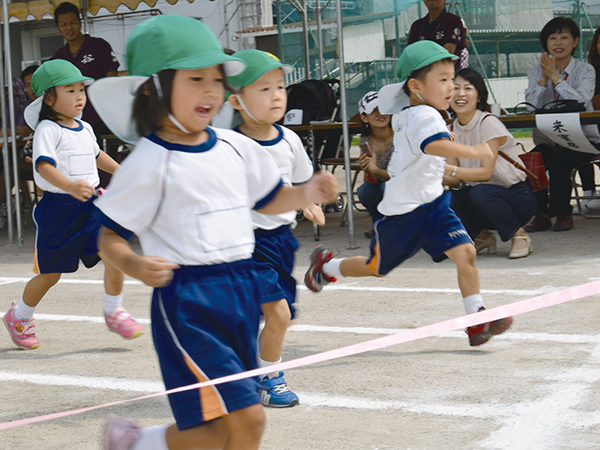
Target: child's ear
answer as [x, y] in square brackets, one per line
[233, 99]
[414, 85]
[48, 98]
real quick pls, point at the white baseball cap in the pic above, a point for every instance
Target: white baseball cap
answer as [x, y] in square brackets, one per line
[369, 102]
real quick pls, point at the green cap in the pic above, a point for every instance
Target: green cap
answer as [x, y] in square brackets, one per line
[175, 42]
[257, 64]
[56, 72]
[420, 54]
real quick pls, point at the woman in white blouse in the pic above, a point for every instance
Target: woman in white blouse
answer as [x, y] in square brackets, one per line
[492, 194]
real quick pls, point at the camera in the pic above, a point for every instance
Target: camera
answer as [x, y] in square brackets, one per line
[26, 150]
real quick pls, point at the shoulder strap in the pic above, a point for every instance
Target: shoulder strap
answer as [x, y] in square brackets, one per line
[529, 173]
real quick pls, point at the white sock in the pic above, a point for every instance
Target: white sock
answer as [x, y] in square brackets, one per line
[23, 312]
[262, 363]
[473, 303]
[332, 268]
[111, 302]
[152, 438]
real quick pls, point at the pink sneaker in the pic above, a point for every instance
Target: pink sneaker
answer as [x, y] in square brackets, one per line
[120, 434]
[21, 332]
[120, 321]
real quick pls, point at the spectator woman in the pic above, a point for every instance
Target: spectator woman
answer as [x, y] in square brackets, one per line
[559, 76]
[493, 194]
[377, 146]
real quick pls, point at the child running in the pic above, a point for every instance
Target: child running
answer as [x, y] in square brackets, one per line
[66, 157]
[416, 211]
[187, 191]
[261, 99]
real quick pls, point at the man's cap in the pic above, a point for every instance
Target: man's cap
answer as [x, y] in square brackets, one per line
[368, 103]
[56, 72]
[257, 64]
[175, 42]
[420, 54]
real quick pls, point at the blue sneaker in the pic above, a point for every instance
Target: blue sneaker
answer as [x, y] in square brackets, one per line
[275, 392]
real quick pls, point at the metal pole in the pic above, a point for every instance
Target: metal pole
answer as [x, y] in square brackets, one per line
[280, 30]
[13, 133]
[397, 23]
[346, 131]
[320, 39]
[306, 44]
[5, 149]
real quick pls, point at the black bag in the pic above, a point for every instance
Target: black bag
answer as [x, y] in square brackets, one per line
[553, 107]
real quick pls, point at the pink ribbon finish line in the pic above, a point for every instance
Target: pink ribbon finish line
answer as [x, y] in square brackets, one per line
[512, 309]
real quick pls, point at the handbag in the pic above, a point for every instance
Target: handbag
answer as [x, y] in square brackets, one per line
[553, 107]
[534, 168]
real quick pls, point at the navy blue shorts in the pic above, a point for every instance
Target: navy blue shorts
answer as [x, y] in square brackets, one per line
[205, 326]
[433, 227]
[274, 257]
[65, 234]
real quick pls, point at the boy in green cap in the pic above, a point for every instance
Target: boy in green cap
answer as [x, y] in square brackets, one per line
[416, 210]
[260, 97]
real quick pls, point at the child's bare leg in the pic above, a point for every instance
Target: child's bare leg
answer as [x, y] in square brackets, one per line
[38, 286]
[277, 319]
[356, 266]
[468, 277]
[113, 278]
[209, 436]
[246, 427]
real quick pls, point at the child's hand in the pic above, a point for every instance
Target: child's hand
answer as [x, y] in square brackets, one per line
[322, 188]
[81, 190]
[314, 213]
[155, 271]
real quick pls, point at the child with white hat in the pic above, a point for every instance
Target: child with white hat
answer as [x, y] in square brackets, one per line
[66, 158]
[187, 191]
[416, 210]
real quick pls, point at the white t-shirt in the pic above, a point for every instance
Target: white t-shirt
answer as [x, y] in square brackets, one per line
[415, 177]
[294, 166]
[191, 204]
[480, 130]
[73, 151]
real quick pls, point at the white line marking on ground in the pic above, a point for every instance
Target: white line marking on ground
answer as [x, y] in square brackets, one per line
[303, 328]
[339, 287]
[540, 423]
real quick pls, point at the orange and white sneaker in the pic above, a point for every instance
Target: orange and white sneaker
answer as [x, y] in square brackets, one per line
[21, 332]
[120, 321]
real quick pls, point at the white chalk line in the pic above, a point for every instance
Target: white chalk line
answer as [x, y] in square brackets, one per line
[339, 287]
[542, 422]
[303, 328]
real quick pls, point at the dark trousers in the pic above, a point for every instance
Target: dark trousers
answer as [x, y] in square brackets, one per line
[370, 194]
[559, 161]
[493, 207]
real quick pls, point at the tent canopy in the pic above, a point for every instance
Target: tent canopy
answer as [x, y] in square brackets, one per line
[21, 9]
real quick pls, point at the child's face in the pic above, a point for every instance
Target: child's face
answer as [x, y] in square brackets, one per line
[266, 98]
[561, 44]
[438, 86]
[69, 101]
[464, 99]
[196, 97]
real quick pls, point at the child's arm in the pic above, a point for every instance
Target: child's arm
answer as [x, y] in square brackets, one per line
[321, 188]
[151, 270]
[79, 189]
[314, 213]
[446, 148]
[106, 163]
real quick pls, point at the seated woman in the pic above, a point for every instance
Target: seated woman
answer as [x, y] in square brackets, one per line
[559, 76]
[376, 143]
[495, 194]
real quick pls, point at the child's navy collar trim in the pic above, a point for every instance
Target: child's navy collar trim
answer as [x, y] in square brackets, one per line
[269, 142]
[79, 126]
[205, 146]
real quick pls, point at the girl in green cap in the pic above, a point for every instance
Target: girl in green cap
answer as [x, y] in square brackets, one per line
[66, 158]
[187, 191]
